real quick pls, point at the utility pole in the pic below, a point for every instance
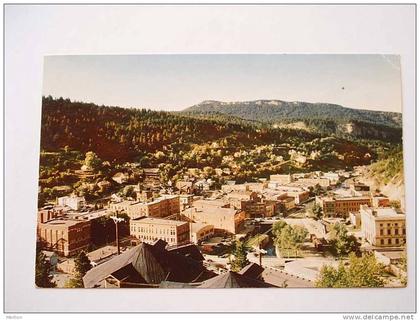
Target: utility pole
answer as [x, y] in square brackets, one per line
[117, 220]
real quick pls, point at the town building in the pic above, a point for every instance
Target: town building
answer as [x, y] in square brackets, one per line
[64, 236]
[164, 206]
[150, 229]
[200, 232]
[383, 227]
[51, 212]
[151, 177]
[341, 206]
[360, 188]
[287, 203]
[224, 219]
[74, 202]
[185, 186]
[281, 178]
[380, 201]
[321, 181]
[333, 177]
[355, 219]
[292, 190]
[186, 200]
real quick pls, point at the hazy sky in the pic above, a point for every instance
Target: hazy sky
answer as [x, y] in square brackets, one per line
[174, 82]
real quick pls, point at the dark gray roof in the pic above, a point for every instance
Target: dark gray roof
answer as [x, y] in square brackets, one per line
[151, 264]
[252, 270]
[189, 250]
[233, 280]
[97, 274]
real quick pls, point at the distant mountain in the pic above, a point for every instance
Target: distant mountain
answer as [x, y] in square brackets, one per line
[320, 117]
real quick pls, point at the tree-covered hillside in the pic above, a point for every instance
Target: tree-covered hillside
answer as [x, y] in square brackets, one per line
[125, 134]
[324, 118]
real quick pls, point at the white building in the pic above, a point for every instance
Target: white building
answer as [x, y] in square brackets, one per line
[74, 202]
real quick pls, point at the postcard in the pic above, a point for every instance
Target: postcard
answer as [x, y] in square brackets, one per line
[221, 171]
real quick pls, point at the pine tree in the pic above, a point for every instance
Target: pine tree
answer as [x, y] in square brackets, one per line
[240, 260]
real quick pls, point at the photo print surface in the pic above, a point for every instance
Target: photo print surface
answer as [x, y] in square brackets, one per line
[221, 171]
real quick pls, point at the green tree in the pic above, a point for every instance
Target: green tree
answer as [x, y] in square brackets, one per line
[82, 264]
[361, 272]
[43, 276]
[289, 238]
[342, 242]
[317, 211]
[240, 260]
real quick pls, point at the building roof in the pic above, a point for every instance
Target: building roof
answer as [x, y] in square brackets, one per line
[252, 270]
[62, 222]
[153, 264]
[383, 212]
[189, 250]
[233, 280]
[204, 203]
[160, 221]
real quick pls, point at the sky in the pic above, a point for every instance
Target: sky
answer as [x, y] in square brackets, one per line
[175, 82]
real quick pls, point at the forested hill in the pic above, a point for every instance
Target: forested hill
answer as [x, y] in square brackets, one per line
[275, 110]
[122, 134]
[326, 118]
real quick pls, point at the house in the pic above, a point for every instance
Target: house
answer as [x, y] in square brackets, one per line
[120, 178]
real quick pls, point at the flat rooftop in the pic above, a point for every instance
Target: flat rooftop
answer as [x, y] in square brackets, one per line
[62, 222]
[160, 221]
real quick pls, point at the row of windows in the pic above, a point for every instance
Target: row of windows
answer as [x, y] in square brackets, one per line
[153, 238]
[148, 230]
[389, 231]
[389, 241]
[389, 224]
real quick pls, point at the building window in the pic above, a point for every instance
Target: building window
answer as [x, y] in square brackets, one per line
[396, 231]
[382, 242]
[389, 241]
[381, 232]
[397, 241]
[389, 232]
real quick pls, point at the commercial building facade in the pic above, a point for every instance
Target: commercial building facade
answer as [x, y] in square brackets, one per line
[163, 206]
[383, 227]
[342, 206]
[150, 229]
